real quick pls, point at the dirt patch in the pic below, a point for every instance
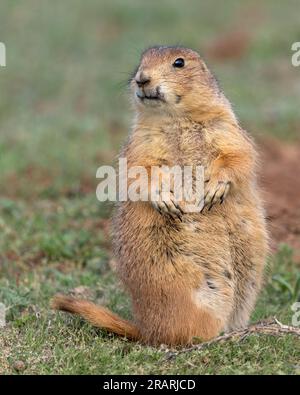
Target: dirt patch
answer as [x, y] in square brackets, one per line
[280, 179]
[231, 45]
[234, 42]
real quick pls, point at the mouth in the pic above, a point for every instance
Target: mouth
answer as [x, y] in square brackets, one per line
[146, 97]
[156, 96]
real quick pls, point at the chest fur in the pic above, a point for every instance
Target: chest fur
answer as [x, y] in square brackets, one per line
[178, 144]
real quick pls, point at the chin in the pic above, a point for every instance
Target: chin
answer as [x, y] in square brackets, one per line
[150, 104]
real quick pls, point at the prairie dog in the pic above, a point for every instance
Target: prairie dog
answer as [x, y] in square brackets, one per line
[188, 274]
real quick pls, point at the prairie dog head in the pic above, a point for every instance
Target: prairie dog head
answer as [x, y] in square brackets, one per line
[173, 80]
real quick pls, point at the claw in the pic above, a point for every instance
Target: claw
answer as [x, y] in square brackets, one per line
[178, 207]
[165, 205]
[210, 207]
[178, 216]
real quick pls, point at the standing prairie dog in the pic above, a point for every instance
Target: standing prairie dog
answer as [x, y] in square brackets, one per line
[188, 274]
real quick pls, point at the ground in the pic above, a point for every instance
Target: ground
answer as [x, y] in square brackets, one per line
[64, 111]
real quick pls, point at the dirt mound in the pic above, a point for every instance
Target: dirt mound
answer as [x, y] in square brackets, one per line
[280, 180]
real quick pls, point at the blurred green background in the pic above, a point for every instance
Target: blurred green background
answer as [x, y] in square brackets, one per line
[64, 105]
[64, 111]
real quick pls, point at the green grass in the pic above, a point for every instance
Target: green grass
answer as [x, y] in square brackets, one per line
[64, 111]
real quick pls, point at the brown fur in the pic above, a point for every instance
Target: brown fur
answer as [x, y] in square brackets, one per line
[193, 274]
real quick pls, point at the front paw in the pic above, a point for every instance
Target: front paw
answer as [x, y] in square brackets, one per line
[168, 205]
[215, 191]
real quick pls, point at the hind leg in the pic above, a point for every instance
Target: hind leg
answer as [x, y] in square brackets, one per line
[173, 316]
[244, 305]
[216, 295]
[194, 323]
[248, 286]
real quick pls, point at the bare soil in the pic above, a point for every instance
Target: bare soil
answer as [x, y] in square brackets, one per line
[280, 180]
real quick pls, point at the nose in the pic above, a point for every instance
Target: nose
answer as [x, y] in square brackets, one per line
[142, 79]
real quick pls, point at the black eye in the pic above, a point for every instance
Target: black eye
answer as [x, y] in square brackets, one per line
[178, 63]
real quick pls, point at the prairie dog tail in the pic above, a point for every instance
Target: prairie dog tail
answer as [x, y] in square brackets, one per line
[96, 315]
